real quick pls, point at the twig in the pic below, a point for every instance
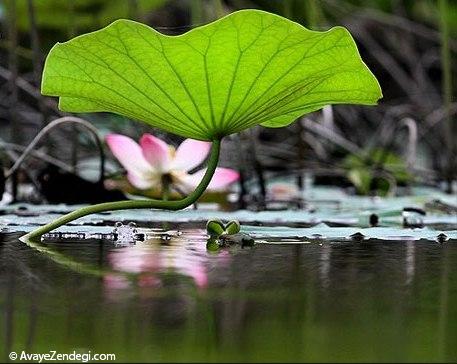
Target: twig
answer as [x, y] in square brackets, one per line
[74, 142]
[29, 89]
[48, 128]
[437, 115]
[330, 135]
[37, 57]
[389, 63]
[411, 150]
[36, 154]
[448, 129]
[258, 168]
[242, 172]
[14, 93]
[20, 51]
[390, 19]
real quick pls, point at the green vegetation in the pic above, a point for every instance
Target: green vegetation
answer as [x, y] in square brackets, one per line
[274, 70]
[377, 171]
[248, 68]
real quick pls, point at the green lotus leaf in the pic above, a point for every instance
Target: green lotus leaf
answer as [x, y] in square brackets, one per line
[250, 67]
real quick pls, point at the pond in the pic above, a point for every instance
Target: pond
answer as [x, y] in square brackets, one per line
[334, 297]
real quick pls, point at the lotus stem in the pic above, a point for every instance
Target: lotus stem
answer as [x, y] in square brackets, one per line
[136, 204]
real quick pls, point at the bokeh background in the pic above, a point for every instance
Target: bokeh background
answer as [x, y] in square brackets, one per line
[408, 140]
[321, 284]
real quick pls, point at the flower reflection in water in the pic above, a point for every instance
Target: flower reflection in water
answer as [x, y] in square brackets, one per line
[151, 260]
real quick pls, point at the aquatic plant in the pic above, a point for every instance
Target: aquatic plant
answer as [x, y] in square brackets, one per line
[225, 235]
[216, 228]
[153, 163]
[376, 171]
[248, 68]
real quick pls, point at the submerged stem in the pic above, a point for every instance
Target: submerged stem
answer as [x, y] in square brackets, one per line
[136, 204]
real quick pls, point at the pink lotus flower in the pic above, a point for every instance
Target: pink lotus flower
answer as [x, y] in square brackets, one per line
[148, 163]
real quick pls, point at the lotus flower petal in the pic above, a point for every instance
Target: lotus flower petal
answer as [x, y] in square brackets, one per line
[190, 154]
[143, 182]
[222, 178]
[128, 153]
[156, 152]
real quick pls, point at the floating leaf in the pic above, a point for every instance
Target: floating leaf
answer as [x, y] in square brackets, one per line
[249, 68]
[216, 227]
[232, 227]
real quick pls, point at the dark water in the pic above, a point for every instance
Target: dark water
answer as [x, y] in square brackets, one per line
[171, 300]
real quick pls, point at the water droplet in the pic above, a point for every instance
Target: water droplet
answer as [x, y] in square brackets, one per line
[125, 233]
[108, 236]
[67, 236]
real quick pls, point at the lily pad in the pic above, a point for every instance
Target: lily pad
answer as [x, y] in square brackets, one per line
[250, 67]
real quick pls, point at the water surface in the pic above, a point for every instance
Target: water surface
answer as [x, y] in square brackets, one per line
[168, 299]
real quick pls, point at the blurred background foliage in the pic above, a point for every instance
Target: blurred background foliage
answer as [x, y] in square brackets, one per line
[408, 139]
[80, 15]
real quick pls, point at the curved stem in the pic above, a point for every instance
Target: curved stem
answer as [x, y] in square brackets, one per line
[136, 204]
[63, 120]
